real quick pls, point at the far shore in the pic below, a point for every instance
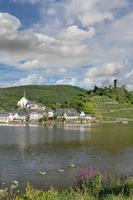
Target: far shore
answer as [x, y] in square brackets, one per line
[49, 123]
[64, 124]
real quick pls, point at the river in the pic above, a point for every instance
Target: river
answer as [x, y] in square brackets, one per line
[25, 151]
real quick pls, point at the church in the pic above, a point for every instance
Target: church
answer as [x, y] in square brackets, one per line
[22, 103]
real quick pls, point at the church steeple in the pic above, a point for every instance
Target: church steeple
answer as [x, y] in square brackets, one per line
[24, 94]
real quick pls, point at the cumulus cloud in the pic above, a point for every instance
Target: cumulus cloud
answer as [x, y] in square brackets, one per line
[74, 34]
[70, 35]
[67, 81]
[70, 46]
[121, 30]
[8, 24]
[88, 12]
[32, 79]
[111, 69]
[40, 49]
[104, 75]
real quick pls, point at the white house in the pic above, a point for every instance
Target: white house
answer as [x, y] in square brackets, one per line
[35, 106]
[50, 114]
[82, 114]
[4, 118]
[17, 117]
[35, 116]
[86, 117]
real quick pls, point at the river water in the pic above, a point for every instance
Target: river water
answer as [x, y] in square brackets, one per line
[25, 151]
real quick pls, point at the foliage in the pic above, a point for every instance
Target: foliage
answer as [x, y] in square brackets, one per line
[99, 101]
[9, 193]
[93, 188]
[51, 96]
[89, 107]
[120, 94]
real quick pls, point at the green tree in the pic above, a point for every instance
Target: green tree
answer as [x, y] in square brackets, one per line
[89, 107]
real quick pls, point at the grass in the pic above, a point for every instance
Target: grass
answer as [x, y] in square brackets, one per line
[94, 188]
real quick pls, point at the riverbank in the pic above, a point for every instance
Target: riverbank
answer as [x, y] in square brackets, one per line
[49, 123]
[19, 125]
[91, 188]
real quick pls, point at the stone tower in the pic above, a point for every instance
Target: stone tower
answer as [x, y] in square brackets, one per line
[115, 83]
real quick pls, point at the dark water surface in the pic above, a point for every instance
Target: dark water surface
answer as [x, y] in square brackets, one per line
[24, 151]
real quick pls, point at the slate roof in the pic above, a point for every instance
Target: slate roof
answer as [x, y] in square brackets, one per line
[4, 114]
[68, 111]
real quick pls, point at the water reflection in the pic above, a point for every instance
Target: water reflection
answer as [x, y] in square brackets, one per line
[25, 136]
[28, 150]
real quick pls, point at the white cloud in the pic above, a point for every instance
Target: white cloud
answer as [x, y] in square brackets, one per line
[122, 29]
[41, 50]
[30, 64]
[109, 70]
[129, 74]
[71, 34]
[88, 12]
[67, 81]
[31, 80]
[71, 46]
[104, 75]
[8, 24]
[74, 34]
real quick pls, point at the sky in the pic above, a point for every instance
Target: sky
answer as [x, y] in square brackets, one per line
[77, 42]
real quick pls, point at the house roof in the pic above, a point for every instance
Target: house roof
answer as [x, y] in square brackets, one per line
[68, 111]
[4, 114]
[36, 103]
[23, 100]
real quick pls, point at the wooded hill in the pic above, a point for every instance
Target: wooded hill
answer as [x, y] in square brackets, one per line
[51, 96]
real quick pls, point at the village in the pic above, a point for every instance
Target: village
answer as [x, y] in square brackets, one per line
[33, 112]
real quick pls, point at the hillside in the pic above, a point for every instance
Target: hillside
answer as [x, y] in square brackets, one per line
[52, 96]
[110, 109]
[104, 103]
[113, 103]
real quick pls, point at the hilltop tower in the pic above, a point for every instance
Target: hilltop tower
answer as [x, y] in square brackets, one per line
[116, 83]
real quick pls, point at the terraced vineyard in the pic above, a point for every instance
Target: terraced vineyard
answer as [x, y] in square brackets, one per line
[110, 109]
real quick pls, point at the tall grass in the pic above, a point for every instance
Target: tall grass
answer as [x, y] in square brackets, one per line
[91, 187]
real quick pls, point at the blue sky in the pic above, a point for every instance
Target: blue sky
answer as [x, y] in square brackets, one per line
[25, 12]
[78, 42]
